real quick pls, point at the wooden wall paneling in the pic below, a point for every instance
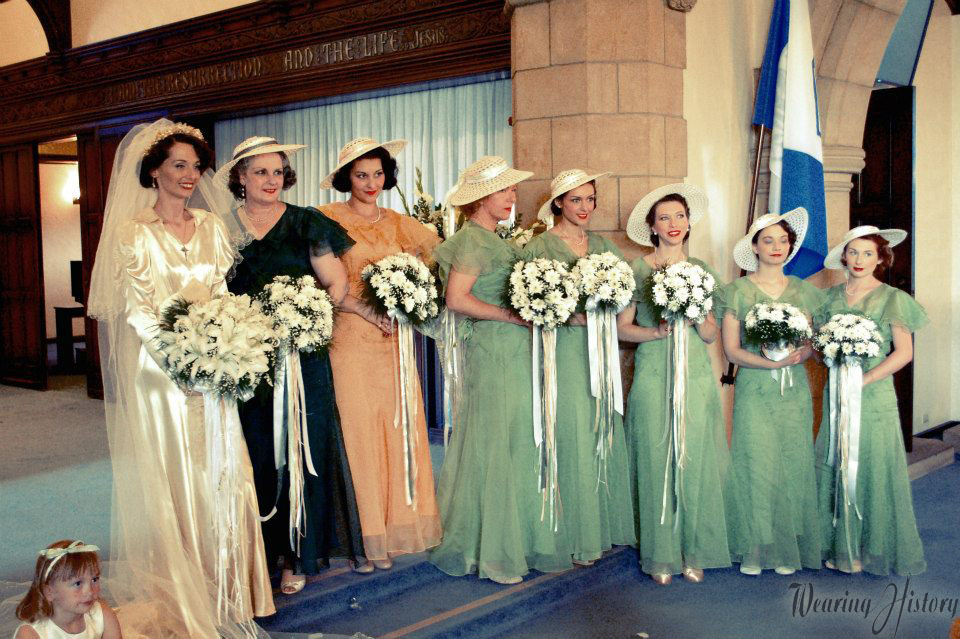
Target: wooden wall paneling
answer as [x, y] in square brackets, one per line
[23, 344]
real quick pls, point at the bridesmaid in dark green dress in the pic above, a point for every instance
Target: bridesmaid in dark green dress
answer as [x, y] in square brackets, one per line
[285, 239]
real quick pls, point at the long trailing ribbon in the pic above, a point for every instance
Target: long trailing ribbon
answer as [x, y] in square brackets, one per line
[846, 387]
[676, 430]
[405, 412]
[291, 439]
[545, 422]
[784, 376]
[605, 383]
[777, 352]
[223, 436]
[450, 354]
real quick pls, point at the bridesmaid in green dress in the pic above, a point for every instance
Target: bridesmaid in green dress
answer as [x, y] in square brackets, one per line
[488, 490]
[595, 495]
[774, 522]
[689, 533]
[284, 239]
[886, 537]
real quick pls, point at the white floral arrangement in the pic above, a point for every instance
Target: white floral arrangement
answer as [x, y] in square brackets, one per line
[543, 292]
[848, 338]
[605, 282]
[401, 287]
[302, 312]
[424, 209]
[776, 327]
[221, 346]
[517, 234]
[681, 291]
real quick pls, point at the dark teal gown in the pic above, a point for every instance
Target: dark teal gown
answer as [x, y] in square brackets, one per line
[332, 523]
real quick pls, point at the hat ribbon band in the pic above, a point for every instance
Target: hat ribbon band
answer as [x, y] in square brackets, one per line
[270, 142]
[487, 175]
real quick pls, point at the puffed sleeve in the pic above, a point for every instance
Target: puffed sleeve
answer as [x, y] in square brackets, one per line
[729, 300]
[902, 310]
[640, 274]
[416, 238]
[809, 298]
[323, 234]
[139, 291]
[535, 248]
[465, 252]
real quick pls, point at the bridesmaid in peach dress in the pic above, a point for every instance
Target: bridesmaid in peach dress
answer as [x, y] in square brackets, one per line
[364, 355]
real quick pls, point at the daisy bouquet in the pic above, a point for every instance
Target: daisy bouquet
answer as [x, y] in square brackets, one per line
[401, 287]
[302, 316]
[777, 328]
[681, 292]
[543, 293]
[605, 284]
[846, 341]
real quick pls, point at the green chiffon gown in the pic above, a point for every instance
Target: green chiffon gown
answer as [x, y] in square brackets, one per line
[697, 536]
[886, 538]
[488, 491]
[596, 503]
[772, 504]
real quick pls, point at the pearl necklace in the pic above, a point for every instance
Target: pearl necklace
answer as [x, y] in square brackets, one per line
[578, 242]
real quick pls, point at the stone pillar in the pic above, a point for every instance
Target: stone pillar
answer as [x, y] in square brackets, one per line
[598, 85]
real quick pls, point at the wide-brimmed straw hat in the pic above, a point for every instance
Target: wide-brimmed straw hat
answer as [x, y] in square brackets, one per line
[564, 181]
[357, 147]
[257, 145]
[487, 175]
[743, 253]
[832, 260]
[637, 228]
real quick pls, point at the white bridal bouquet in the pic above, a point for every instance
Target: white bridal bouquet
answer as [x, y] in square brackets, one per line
[220, 346]
[604, 282]
[401, 287]
[848, 338]
[777, 328]
[543, 292]
[681, 291]
[302, 313]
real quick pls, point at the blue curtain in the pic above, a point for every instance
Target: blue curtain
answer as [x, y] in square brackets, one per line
[448, 126]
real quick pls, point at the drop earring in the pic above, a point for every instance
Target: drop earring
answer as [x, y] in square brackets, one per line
[243, 192]
[155, 185]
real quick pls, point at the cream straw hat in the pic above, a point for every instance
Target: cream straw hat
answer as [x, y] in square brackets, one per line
[637, 228]
[743, 253]
[832, 260]
[487, 175]
[257, 145]
[564, 182]
[357, 147]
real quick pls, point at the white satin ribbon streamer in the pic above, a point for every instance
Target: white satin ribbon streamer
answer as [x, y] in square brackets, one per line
[784, 376]
[291, 439]
[676, 429]
[846, 388]
[450, 354]
[603, 349]
[537, 385]
[405, 413]
[223, 437]
[548, 436]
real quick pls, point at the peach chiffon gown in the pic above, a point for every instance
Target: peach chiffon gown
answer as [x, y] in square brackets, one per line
[365, 378]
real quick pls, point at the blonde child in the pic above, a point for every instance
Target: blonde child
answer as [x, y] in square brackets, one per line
[64, 599]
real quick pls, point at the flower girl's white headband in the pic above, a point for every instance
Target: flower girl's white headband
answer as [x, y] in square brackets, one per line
[56, 554]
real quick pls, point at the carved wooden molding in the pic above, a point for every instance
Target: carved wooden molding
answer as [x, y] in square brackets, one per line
[254, 56]
[681, 5]
[54, 17]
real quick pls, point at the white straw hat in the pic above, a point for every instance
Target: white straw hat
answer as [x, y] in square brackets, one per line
[564, 181]
[743, 253]
[637, 228]
[357, 147]
[832, 260]
[487, 175]
[257, 145]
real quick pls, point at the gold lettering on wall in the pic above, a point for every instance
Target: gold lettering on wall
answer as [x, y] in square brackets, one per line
[365, 46]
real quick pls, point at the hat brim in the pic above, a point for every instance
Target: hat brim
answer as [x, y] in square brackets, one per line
[471, 192]
[637, 228]
[393, 147]
[545, 214]
[223, 173]
[832, 260]
[743, 254]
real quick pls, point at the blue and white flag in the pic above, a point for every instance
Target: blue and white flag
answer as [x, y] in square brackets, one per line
[787, 104]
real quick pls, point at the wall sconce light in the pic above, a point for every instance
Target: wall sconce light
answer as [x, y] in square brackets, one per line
[71, 187]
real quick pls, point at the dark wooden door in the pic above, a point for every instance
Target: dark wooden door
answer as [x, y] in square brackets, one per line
[23, 344]
[882, 195]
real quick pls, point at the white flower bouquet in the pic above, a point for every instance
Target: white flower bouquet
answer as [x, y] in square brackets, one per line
[424, 209]
[848, 338]
[605, 282]
[681, 291]
[221, 346]
[776, 328]
[302, 313]
[543, 292]
[401, 287]
[515, 233]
